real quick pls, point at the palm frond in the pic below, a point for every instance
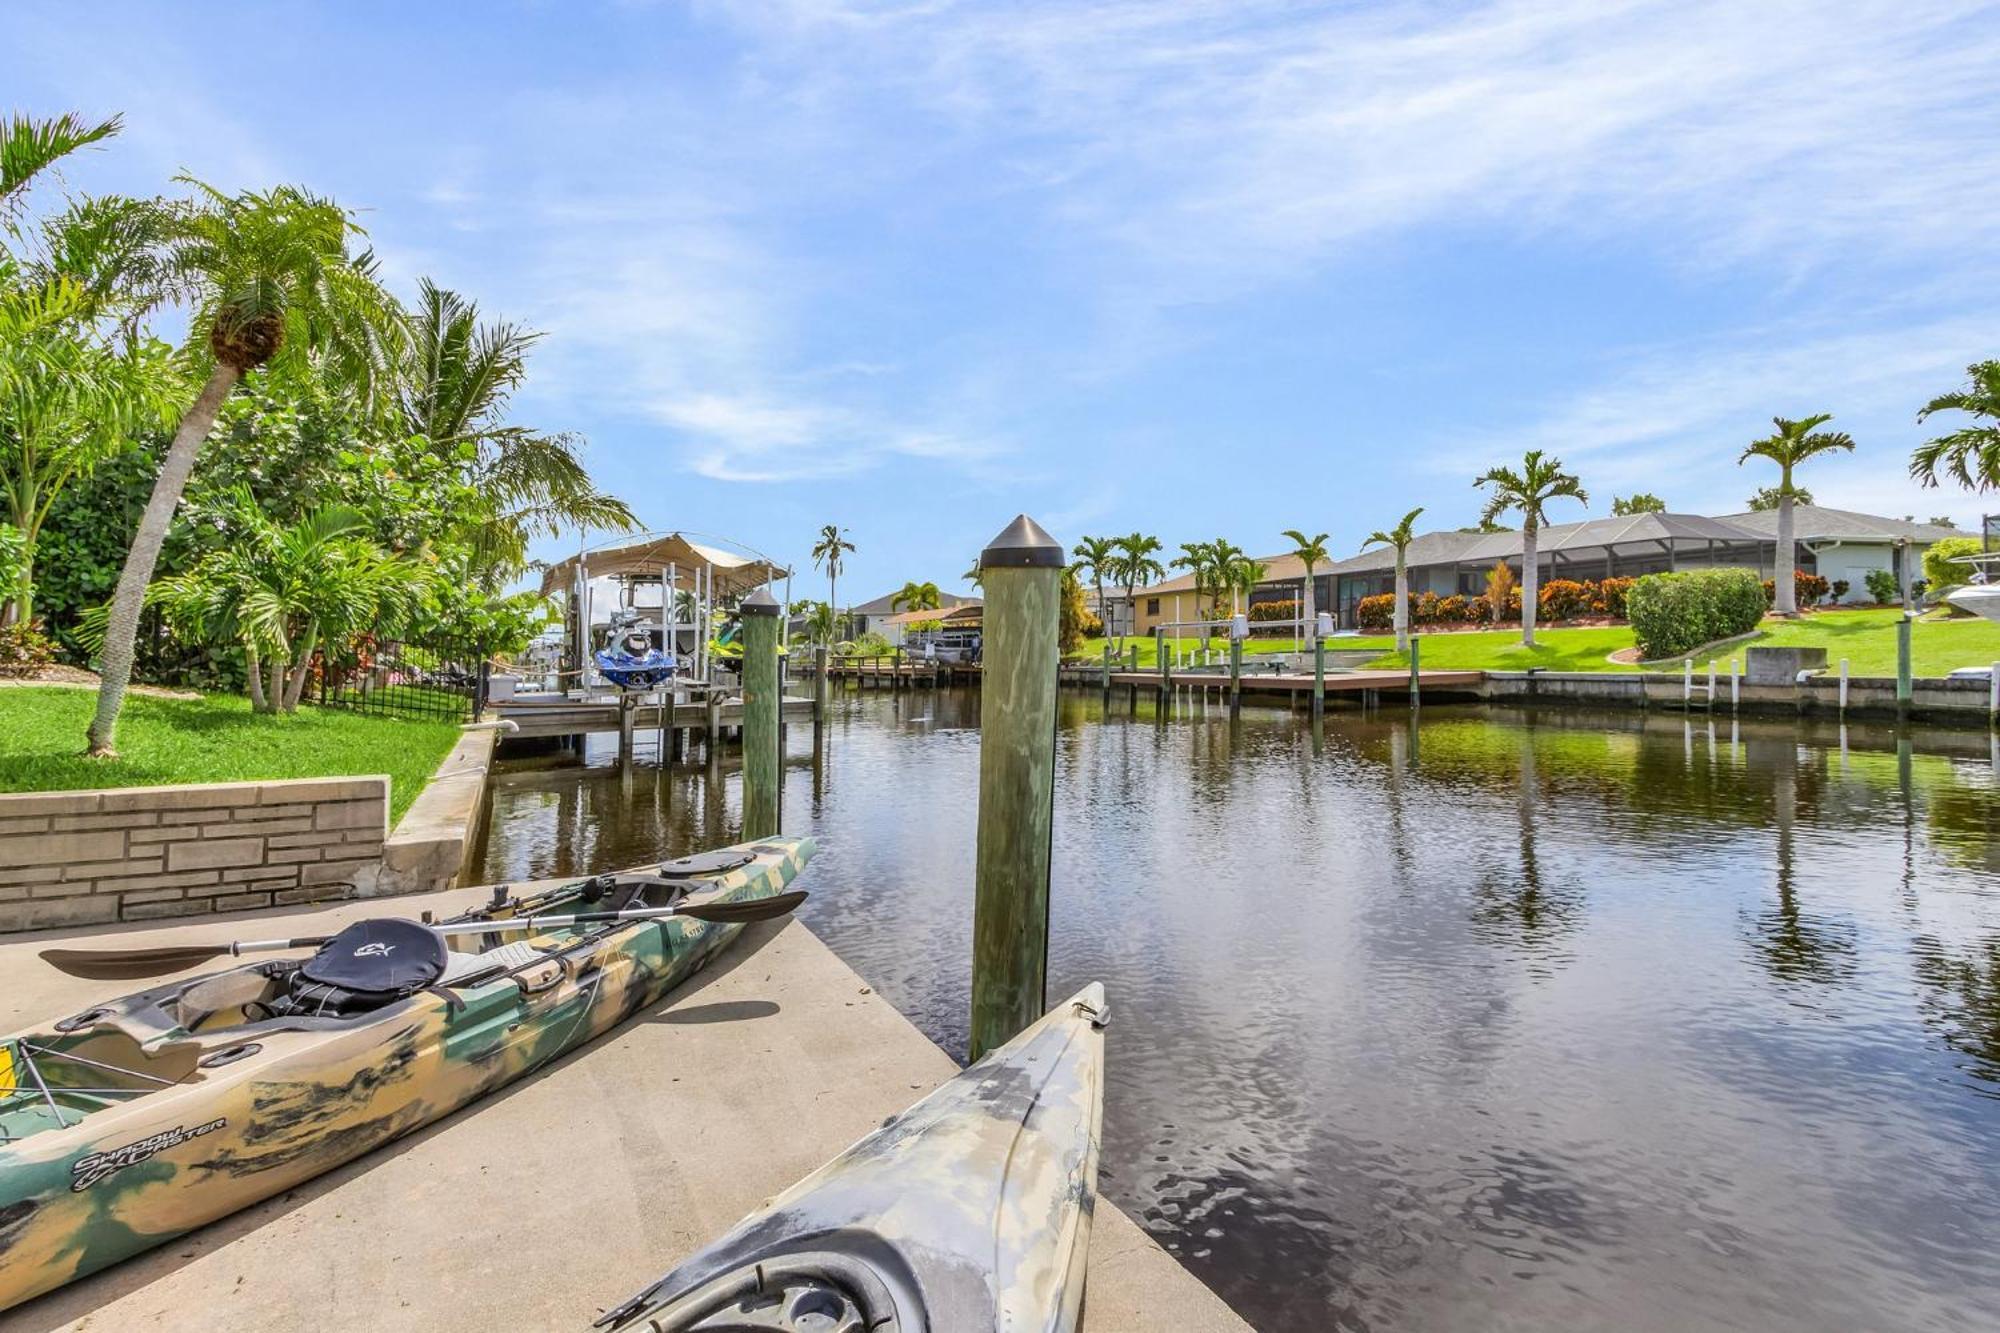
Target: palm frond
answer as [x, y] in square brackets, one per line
[29, 146]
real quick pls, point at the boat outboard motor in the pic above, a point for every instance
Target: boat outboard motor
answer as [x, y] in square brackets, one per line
[369, 964]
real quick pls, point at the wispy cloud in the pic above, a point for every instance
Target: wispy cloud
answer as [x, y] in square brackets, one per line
[1243, 136]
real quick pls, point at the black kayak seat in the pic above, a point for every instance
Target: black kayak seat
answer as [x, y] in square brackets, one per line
[383, 958]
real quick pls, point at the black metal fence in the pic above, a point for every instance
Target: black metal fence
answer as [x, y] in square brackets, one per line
[411, 680]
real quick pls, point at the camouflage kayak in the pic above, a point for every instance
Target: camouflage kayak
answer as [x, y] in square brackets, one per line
[969, 1211]
[144, 1117]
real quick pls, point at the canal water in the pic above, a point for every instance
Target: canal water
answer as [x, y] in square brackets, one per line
[1486, 1021]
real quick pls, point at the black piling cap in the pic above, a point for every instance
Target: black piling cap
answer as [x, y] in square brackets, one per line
[1025, 544]
[759, 603]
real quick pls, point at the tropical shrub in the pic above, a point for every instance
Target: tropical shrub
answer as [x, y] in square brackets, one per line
[1944, 565]
[1281, 610]
[1377, 612]
[1502, 592]
[1074, 620]
[1452, 610]
[1810, 589]
[1840, 587]
[24, 650]
[1882, 586]
[1609, 596]
[1563, 599]
[1478, 610]
[1672, 613]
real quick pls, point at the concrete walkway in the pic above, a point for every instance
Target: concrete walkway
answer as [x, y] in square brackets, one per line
[560, 1196]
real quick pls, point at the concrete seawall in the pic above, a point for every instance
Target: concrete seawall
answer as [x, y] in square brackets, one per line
[1952, 702]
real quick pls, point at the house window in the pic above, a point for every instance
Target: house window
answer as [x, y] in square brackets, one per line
[1152, 606]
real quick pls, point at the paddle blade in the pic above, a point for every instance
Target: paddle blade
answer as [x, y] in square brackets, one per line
[754, 909]
[127, 964]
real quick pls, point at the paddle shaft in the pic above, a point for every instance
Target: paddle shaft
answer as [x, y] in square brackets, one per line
[778, 905]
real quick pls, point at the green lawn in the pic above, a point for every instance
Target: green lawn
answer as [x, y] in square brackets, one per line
[1867, 638]
[215, 738]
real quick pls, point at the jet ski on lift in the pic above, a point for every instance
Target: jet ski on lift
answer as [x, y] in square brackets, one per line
[630, 661]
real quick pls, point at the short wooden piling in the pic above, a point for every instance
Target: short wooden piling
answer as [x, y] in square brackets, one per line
[761, 713]
[896, 672]
[820, 693]
[1319, 676]
[628, 712]
[1903, 667]
[1022, 576]
[1235, 674]
[1416, 669]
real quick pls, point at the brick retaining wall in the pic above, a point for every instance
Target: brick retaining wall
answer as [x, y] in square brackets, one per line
[135, 853]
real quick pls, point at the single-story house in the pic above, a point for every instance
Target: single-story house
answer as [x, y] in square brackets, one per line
[876, 616]
[952, 622]
[1838, 544]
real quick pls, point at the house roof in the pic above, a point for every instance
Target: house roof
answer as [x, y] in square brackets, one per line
[880, 606]
[961, 614]
[1817, 523]
[1591, 535]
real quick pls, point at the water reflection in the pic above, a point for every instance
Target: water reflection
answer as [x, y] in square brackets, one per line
[1463, 1021]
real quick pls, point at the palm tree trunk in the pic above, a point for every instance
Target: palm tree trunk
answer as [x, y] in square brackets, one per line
[1784, 586]
[1531, 581]
[274, 684]
[1401, 618]
[298, 684]
[121, 633]
[1311, 620]
[24, 588]
[253, 668]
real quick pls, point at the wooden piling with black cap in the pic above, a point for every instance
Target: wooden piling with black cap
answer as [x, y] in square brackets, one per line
[761, 699]
[1021, 571]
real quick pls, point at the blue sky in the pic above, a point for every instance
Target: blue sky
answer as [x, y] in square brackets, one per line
[1199, 269]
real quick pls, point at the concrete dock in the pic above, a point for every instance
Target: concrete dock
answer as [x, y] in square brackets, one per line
[559, 1196]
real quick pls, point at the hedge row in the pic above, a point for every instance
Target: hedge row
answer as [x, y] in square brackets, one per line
[1672, 613]
[1556, 600]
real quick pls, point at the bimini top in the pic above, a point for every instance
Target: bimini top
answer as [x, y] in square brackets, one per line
[651, 554]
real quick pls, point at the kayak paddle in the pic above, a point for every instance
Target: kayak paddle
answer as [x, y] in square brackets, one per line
[128, 964]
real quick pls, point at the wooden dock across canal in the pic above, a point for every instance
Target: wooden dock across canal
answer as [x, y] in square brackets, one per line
[555, 716]
[548, 1202]
[1288, 683]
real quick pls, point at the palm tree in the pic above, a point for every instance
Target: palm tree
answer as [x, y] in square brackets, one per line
[1529, 490]
[1137, 564]
[1097, 559]
[1244, 575]
[69, 399]
[281, 592]
[452, 387]
[915, 596]
[829, 551]
[1969, 456]
[975, 576]
[1399, 537]
[271, 280]
[1792, 444]
[1310, 551]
